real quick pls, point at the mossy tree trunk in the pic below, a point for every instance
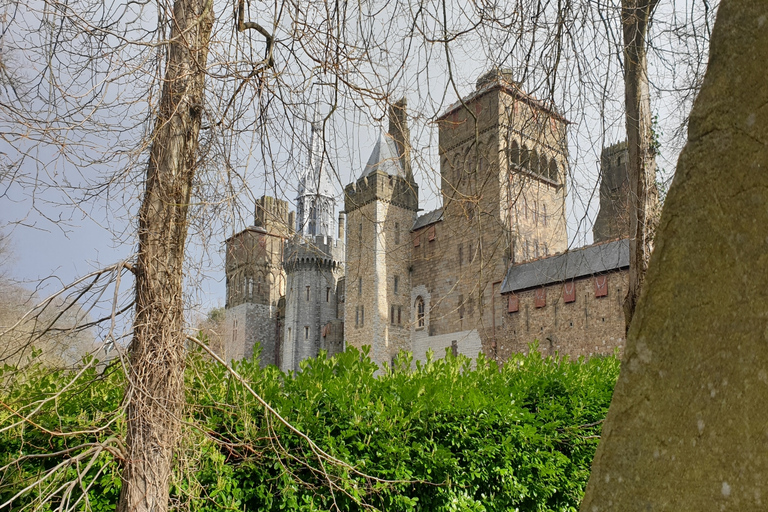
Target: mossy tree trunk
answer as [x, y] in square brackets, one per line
[156, 394]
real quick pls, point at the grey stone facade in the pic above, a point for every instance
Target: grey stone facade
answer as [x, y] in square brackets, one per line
[313, 267]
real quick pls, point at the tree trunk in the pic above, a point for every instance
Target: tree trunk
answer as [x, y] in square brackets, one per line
[643, 197]
[156, 392]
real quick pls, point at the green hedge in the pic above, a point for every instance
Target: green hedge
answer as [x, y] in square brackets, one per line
[437, 436]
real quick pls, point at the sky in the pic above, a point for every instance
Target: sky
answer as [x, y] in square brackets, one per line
[61, 226]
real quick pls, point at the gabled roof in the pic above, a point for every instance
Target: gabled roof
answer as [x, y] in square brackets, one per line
[384, 157]
[428, 218]
[585, 261]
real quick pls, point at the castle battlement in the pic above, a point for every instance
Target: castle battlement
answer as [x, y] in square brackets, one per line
[274, 216]
[613, 149]
[314, 251]
[380, 186]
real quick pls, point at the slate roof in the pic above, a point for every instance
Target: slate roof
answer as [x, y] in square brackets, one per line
[428, 218]
[585, 261]
[384, 157]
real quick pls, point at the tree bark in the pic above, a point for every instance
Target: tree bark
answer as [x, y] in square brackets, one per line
[643, 197]
[156, 393]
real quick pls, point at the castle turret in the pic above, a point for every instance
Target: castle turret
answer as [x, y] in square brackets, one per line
[381, 208]
[314, 264]
[613, 218]
[255, 282]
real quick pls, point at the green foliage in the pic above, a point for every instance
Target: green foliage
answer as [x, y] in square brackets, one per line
[441, 435]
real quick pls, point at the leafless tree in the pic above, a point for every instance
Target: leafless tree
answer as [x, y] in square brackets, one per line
[173, 102]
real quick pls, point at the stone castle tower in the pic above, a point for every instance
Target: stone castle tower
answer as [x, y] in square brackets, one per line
[613, 217]
[314, 265]
[503, 158]
[381, 209]
[256, 283]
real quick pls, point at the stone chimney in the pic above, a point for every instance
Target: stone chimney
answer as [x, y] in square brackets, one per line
[398, 129]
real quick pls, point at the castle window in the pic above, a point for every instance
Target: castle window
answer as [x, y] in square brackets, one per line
[461, 307]
[513, 303]
[307, 292]
[357, 316]
[553, 174]
[460, 254]
[306, 332]
[534, 159]
[397, 284]
[359, 286]
[258, 286]
[397, 233]
[470, 254]
[399, 315]
[569, 292]
[525, 158]
[514, 154]
[544, 215]
[601, 286]
[362, 316]
[328, 294]
[392, 314]
[420, 316]
[250, 287]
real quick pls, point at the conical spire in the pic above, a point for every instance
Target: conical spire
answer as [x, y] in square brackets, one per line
[315, 203]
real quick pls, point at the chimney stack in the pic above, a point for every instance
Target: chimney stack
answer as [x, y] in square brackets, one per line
[398, 129]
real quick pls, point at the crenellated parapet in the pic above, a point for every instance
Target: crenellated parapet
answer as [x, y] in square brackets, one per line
[313, 252]
[380, 186]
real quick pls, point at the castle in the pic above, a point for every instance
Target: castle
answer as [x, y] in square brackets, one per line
[488, 272]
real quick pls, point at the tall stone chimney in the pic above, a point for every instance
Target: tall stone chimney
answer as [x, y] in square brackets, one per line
[398, 129]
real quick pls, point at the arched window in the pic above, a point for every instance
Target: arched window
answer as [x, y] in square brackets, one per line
[534, 165]
[514, 154]
[420, 313]
[553, 174]
[544, 166]
[525, 157]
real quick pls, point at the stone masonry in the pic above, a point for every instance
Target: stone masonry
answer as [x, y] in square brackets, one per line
[443, 280]
[612, 220]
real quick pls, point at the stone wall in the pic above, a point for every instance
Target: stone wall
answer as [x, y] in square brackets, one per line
[248, 324]
[496, 202]
[255, 283]
[589, 325]
[313, 267]
[380, 210]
